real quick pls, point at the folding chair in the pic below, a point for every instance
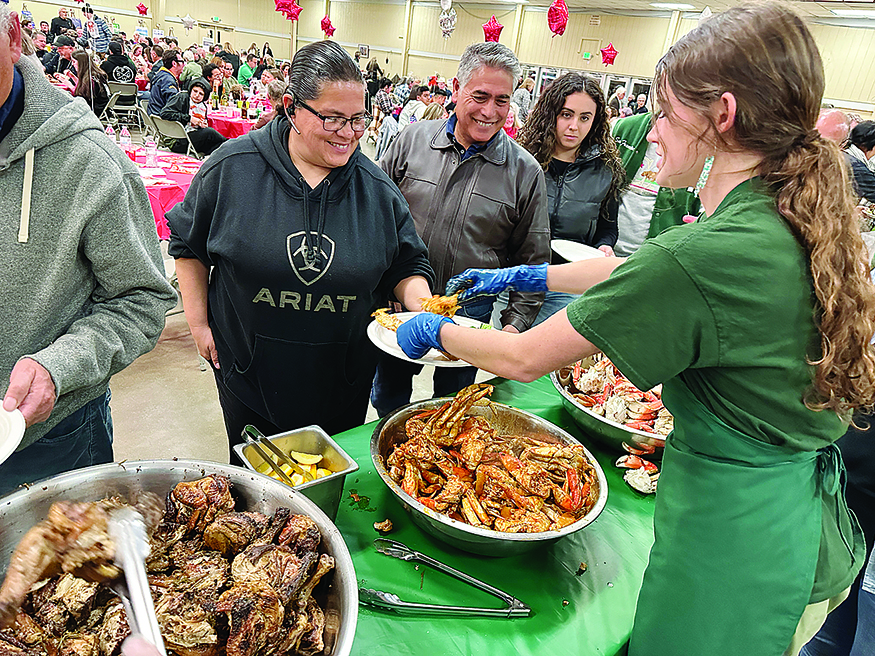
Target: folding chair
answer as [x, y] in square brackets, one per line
[174, 130]
[108, 116]
[126, 105]
[148, 125]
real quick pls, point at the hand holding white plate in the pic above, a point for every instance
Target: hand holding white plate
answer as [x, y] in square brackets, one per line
[11, 432]
[387, 341]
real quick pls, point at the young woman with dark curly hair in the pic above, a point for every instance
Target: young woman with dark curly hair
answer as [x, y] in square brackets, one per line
[569, 134]
[755, 318]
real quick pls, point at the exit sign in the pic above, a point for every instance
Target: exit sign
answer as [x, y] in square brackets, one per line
[216, 19]
[587, 55]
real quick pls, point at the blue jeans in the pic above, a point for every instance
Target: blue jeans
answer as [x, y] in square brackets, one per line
[553, 302]
[393, 382]
[81, 439]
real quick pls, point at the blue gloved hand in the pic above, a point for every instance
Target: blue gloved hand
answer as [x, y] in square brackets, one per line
[421, 333]
[475, 283]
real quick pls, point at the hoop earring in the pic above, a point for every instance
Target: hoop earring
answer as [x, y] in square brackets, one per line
[703, 178]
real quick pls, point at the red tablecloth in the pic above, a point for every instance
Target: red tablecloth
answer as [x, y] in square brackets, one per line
[167, 190]
[142, 84]
[230, 127]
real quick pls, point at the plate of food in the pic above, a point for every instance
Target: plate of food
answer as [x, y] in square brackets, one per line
[12, 427]
[381, 331]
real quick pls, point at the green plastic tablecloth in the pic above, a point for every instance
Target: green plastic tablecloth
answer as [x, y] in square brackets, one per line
[588, 613]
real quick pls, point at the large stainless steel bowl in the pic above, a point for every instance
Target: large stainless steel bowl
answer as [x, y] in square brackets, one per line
[507, 420]
[607, 431]
[21, 510]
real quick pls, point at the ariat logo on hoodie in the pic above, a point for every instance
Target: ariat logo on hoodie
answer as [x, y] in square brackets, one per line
[296, 246]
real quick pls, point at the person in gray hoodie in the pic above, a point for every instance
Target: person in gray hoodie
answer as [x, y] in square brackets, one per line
[84, 291]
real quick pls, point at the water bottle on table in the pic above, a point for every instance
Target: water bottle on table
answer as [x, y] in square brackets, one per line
[124, 139]
[110, 132]
[151, 148]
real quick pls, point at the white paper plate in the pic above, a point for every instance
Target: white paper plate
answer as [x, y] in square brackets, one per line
[387, 341]
[573, 251]
[11, 432]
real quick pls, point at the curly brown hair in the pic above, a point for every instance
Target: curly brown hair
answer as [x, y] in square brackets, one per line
[538, 135]
[766, 57]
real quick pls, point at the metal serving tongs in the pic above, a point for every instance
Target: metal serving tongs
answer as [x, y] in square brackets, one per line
[389, 601]
[259, 442]
[128, 531]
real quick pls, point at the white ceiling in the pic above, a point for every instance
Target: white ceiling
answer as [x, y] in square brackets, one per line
[819, 9]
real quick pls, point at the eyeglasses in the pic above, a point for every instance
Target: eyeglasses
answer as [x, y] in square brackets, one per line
[337, 123]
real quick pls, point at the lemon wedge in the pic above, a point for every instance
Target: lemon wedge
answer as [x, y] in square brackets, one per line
[306, 458]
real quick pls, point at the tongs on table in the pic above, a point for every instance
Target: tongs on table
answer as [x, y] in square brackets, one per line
[259, 441]
[390, 601]
[128, 531]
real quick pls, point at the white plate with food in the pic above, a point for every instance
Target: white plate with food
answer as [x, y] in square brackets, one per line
[386, 340]
[574, 251]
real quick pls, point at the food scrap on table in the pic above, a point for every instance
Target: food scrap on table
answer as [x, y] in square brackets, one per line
[383, 527]
[643, 474]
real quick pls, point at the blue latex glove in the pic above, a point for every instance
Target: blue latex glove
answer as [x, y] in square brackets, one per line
[421, 333]
[476, 283]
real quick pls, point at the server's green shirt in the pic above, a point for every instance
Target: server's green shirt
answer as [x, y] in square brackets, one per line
[726, 305]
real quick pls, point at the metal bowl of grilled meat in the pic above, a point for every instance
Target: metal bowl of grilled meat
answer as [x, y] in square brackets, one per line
[527, 429]
[607, 431]
[337, 592]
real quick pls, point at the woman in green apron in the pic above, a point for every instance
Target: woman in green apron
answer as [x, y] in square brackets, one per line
[756, 319]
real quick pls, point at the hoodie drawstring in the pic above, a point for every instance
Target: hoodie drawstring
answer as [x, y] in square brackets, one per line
[312, 255]
[24, 223]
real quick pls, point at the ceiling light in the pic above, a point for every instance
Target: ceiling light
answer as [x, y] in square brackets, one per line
[672, 5]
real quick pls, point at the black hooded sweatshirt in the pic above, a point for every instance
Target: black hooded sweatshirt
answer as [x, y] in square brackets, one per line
[291, 338]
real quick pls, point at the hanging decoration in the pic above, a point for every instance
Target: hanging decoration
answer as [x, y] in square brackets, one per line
[289, 8]
[447, 22]
[80, 1]
[492, 29]
[25, 13]
[327, 27]
[143, 9]
[609, 54]
[557, 17]
[446, 4]
[188, 23]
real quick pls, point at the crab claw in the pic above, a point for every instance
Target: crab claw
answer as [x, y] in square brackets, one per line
[640, 449]
[636, 462]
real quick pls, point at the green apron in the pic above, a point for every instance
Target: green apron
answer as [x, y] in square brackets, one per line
[740, 548]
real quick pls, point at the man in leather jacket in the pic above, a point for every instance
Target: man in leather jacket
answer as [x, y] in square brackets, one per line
[478, 200]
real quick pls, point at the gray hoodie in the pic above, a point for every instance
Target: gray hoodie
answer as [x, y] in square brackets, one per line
[83, 290]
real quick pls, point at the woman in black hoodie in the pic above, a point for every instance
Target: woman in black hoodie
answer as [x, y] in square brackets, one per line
[306, 237]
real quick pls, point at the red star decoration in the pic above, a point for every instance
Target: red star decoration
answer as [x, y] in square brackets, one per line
[80, 1]
[609, 54]
[294, 10]
[327, 27]
[492, 29]
[289, 8]
[557, 17]
[143, 9]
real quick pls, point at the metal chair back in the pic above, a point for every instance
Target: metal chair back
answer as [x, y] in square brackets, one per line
[174, 130]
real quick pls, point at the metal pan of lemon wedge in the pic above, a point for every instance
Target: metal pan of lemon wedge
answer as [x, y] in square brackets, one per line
[310, 461]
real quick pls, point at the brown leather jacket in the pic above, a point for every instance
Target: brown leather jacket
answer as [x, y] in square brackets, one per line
[489, 211]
